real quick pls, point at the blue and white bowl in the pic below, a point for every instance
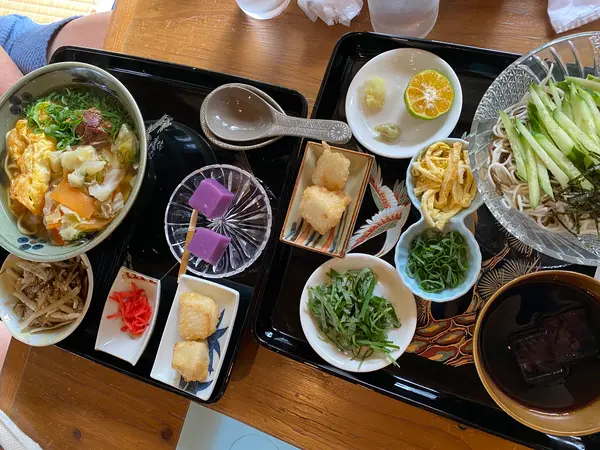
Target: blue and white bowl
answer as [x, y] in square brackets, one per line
[12, 103]
[457, 223]
[228, 300]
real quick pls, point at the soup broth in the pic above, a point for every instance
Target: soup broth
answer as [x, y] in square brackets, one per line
[539, 343]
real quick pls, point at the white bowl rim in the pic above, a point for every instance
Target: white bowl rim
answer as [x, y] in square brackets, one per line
[451, 75]
[72, 327]
[306, 316]
[141, 135]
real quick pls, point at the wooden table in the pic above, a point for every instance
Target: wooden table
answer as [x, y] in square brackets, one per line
[63, 401]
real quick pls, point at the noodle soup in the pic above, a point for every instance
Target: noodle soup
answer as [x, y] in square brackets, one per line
[70, 165]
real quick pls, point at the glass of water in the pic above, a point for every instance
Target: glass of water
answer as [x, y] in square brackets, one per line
[263, 9]
[413, 18]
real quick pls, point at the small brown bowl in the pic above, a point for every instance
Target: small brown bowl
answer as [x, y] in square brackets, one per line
[574, 422]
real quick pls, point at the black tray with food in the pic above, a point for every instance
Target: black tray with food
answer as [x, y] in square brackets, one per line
[169, 97]
[437, 371]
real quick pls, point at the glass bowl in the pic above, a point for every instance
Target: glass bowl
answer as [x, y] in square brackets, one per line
[574, 55]
[247, 221]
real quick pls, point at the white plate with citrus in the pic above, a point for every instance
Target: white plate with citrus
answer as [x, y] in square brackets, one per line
[435, 95]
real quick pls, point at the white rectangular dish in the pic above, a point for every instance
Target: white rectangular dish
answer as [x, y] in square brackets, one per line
[227, 299]
[110, 339]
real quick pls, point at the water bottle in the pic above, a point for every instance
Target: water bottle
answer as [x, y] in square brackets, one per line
[263, 9]
[413, 18]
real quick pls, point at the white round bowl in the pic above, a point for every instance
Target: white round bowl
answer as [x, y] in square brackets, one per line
[389, 285]
[396, 68]
[10, 319]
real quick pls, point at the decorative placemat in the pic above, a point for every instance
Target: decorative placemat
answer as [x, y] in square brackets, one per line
[443, 337]
[450, 340]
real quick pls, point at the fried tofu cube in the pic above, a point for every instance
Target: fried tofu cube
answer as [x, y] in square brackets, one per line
[323, 209]
[332, 170]
[190, 359]
[198, 316]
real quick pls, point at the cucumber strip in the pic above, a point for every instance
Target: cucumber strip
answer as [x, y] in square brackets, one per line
[543, 177]
[553, 152]
[584, 118]
[515, 144]
[559, 136]
[555, 96]
[575, 132]
[585, 83]
[593, 108]
[546, 100]
[556, 171]
[566, 107]
[532, 176]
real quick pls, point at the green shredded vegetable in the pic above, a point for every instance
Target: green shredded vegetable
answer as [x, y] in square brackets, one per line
[438, 261]
[350, 315]
[59, 113]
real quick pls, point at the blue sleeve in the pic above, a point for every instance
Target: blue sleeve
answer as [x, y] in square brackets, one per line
[25, 41]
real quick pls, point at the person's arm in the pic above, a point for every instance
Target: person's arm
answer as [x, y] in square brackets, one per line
[9, 72]
[88, 31]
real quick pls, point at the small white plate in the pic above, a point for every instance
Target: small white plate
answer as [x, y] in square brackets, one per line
[228, 300]
[389, 285]
[10, 319]
[110, 339]
[397, 67]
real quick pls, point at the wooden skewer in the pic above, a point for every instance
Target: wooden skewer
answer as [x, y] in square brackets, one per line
[188, 237]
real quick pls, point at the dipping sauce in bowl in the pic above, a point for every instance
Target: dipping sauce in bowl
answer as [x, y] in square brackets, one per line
[536, 351]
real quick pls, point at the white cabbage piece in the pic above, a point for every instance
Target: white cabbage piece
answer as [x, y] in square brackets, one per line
[51, 213]
[68, 232]
[68, 227]
[55, 161]
[87, 168]
[126, 145]
[118, 203]
[111, 182]
[110, 207]
[110, 158]
[71, 160]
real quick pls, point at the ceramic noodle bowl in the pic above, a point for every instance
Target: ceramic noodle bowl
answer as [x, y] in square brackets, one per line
[17, 239]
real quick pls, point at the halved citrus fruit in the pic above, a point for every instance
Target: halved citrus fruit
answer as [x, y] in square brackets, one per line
[428, 95]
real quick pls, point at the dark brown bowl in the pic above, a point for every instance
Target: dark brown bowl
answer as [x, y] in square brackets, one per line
[576, 422]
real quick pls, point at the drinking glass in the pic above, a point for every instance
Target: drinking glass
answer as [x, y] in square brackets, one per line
[413, 18]
[263, 9]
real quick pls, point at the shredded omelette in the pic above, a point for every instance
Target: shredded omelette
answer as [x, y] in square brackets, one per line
[445, 182]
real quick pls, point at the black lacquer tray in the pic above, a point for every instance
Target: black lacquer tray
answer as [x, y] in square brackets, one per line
[437, 372]
[160, 89]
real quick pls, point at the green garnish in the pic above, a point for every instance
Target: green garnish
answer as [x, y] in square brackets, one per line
[438, 261]
[580, 202]
[59, 113]
[350, 315]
